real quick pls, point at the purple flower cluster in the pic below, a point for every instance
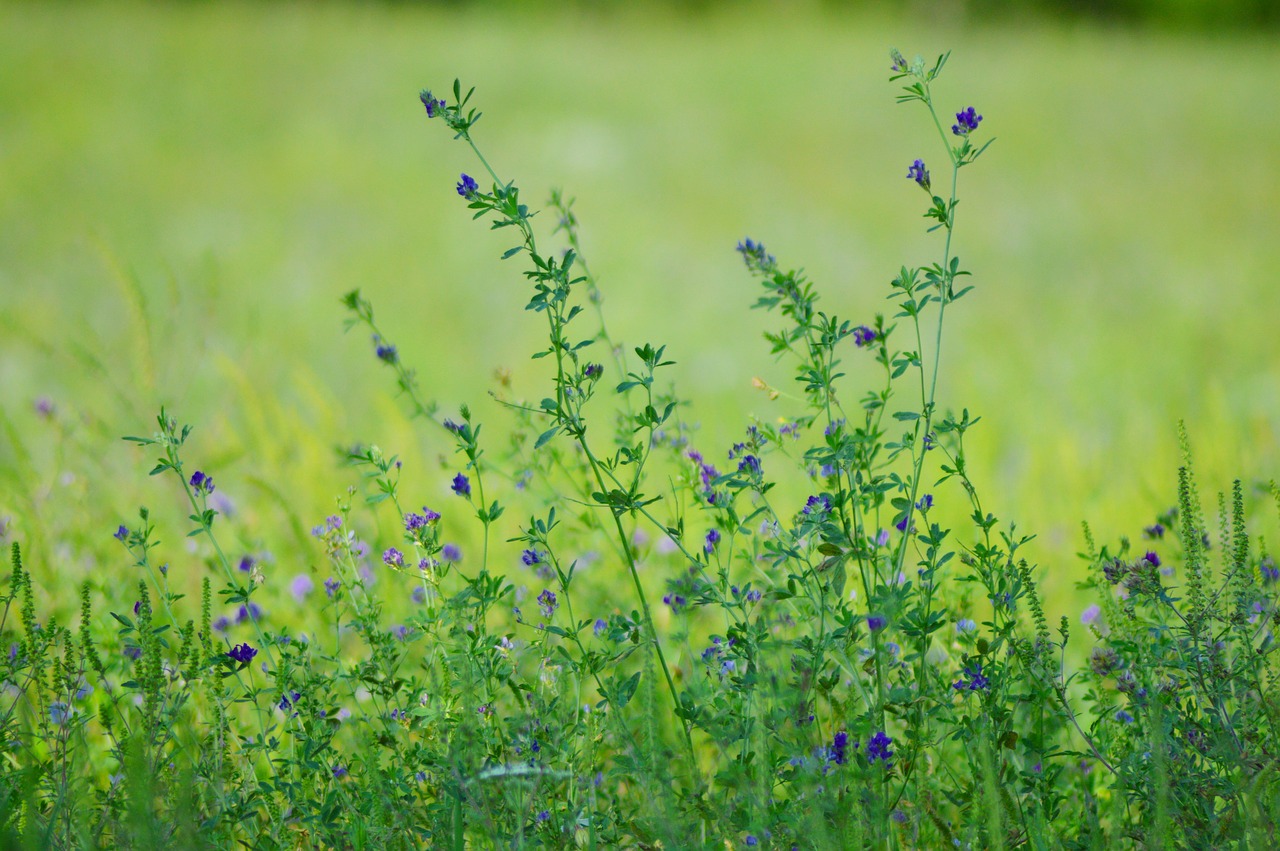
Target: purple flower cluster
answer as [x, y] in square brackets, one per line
[839, 750]
[878, 748]
[547, 603]
[967, 121]
[393, 557]
[200, 483]
[461, 486]
[977, 681]
[429, 101]
[242, 653]
[754, 255]
[1270, 572]
[384, 350]
[919, 174]
[414, 521]
[592, 371]
[467, 187]
[863, 336]
[817, 506]
[713, 538]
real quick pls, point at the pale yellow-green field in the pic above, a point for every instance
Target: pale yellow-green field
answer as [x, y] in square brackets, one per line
[186, 192]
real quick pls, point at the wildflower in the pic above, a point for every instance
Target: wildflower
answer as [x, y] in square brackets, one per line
[201, 483]
[1152, 559]
[882, 538]
[754, 255]
[414, 521]
[339, 772]
[543, 815]
[401, 632]
[467, 187]
[1123, 717]
[1090, 615]
[751, 841]
[44, 407]
[728, 666]
[919, 174]
[753, 596]
[864, 336]
[136, 607]
[461, 486]
[428, 100]
[246, 564]
[925, 503]
[1267, 567]
[713, 538]
[531, 557]
[878, 748]
[221, 624]
[1154, 531]
[749, 464]
[965, 625]
[419, 595]
[977, 680]
[899, 816]
[59, 712]
[839, 751]
[393, 557]
[289, 700]
[600, 626]
[331, 586]
[452, 426]
[675, 601]
[547, 603]
[875, 623]
[249, 611]
[966, 122]
[1104, 661]
[592, 371]
[901, 525]
[450, 552]
[817, 505]
[133, 651]
[242, 653]
[899, 63]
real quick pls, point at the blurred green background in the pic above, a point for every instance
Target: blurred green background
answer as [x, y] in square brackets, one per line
[186, 190]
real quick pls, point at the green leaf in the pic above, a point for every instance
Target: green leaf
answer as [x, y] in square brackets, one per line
[545, 437]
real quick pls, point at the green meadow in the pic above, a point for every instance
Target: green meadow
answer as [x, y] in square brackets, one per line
[186, 191]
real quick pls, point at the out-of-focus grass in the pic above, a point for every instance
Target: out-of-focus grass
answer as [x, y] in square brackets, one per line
[185, 192]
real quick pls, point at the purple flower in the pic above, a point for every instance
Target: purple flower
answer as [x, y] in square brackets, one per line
[543, 815]
[1267, 567]
[965, 625]
[221, 624]
[385, 351]
[419, 595]
[461, 486]
[600, 626]
[248, 611]
[1123, 717]
[966, 122]
[751, 841]
[882, 538]
[428, 100]
[875, 623]
[754, 255]
[817, 505]
[289, 700]
[547, 603]
[863, 336]
[925, 503]
[201, 483]
[242, 653]
[393, 557]
[301, 586]
[467, 187]
[531, 557]
[919, 174]
[592, 371]
[749, 464]
[878, 748]
[331, 586]
[675, 601]
[454, 427]
[413, 522]
[246, 564]
[977, 680]
[1154, 531]
[122, 534]
[1090, 615]
[59, 713]
[753, 596]
[450, 552]
[899, 63]
[339, 772]
[839, 751]
[713, 538]
[1152, 558]
[137, 607]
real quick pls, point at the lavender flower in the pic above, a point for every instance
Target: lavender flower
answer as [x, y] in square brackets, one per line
[977, 681]
[248, 611]
[200, 483]
[839, 750]
[966, 122]
[531, 557]
[1154, 531]
[749, 464]
[385, 351]
[467, 187]
[899, 63]
[1090, 615]
[122, 534]
[878, 748]
[713, 538]
[393, 557]
[600, 626]
[1267, 567]
[919, 174]
[864, 336]
[419, 595]
[875, 623]
[331, 586]
[242, 653]
[547, 603]
[461, 486]
[450, 552]
[817, 505]
[428, 100]
[754, 255]
[592, 371]
[413, 521]
[339, 772]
